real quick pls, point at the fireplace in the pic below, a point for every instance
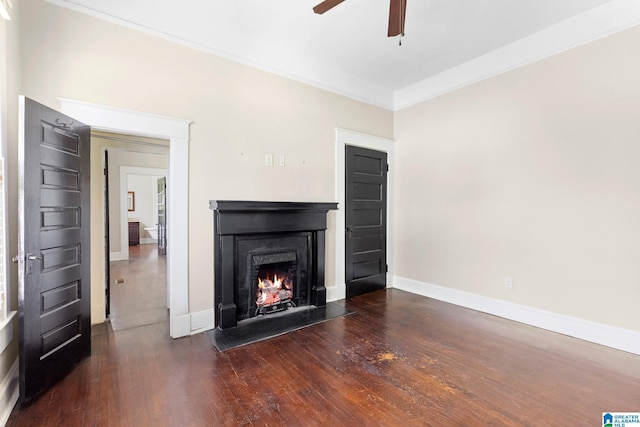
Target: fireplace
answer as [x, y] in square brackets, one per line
[268, 258]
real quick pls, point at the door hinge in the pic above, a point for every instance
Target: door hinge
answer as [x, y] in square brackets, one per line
[387, 167]
[386, 268]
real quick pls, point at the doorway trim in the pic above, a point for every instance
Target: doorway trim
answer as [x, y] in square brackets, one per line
[343, 138]
[176, 130]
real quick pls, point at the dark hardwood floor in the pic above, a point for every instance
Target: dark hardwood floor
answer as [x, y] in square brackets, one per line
[400, 360]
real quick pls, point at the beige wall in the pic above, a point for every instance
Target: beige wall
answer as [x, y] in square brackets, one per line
[117, 159]
[534, 175]
[238, 113]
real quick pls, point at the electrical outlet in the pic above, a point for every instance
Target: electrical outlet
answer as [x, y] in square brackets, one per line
[268, 159]
[281, 160]
[508, 283]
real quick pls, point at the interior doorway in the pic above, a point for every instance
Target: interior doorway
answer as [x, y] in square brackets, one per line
[136, 277]
[346, 138]
[176, 130]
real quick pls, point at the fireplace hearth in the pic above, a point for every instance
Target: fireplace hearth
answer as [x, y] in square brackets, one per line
[268, 257]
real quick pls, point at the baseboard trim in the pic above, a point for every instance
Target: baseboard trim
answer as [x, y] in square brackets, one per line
[180, 326]
[9, 392]
[117, 256]
[6, 331]
[202, 321]
[336, 293]
[147, 241]
[610, 336]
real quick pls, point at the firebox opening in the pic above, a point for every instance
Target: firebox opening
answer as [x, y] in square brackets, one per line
[275, 287]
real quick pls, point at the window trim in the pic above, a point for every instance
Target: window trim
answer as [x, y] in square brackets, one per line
[3, 243]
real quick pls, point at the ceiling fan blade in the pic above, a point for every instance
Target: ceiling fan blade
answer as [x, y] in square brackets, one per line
[326, 5]
[397, 12]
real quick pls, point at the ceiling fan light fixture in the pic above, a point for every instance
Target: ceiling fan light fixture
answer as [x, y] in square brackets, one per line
[326, 5]
[397, 13]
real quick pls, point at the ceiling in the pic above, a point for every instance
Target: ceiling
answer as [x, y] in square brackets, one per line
[447, 43]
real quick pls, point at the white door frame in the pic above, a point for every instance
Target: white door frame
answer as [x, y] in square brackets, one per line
[176, 130]
[343, 138]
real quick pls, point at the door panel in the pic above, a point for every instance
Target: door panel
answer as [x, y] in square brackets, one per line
[107, 243]
[54, 275]
[366, 220]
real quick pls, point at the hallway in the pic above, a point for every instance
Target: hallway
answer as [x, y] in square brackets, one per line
[142, 298]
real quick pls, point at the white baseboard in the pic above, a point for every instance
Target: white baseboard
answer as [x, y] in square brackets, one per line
[6, 331]
[180, 326]
[202, 321]
[205, 320]
[610, 336]
[9, 392]
[147, 240]
[336, 293]
[117, 256]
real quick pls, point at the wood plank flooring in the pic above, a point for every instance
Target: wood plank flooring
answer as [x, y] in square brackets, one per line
[142, 298]
[401, 360]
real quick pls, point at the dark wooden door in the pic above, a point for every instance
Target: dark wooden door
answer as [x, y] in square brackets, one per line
[107, 241]
[366, 220]
[54, 300]
[162, 216]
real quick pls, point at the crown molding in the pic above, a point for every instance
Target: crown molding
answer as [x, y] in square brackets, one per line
[607, 19]
[316, 75]
[610, 18]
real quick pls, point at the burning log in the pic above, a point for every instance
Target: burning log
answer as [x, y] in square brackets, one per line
[272, 292]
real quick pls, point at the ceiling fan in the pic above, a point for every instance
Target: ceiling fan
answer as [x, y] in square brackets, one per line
[397, 12]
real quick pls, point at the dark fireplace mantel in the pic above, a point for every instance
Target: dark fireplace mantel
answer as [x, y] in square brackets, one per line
[239, 223]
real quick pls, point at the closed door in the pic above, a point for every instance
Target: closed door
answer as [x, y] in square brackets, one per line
[366, 220]
[54, 299]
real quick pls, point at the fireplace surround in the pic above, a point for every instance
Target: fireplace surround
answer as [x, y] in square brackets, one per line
[253, 238]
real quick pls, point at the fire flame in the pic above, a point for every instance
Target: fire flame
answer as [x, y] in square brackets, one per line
[271, 292]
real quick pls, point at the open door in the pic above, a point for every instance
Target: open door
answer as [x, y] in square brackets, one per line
[54, 301]
[107, 241]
